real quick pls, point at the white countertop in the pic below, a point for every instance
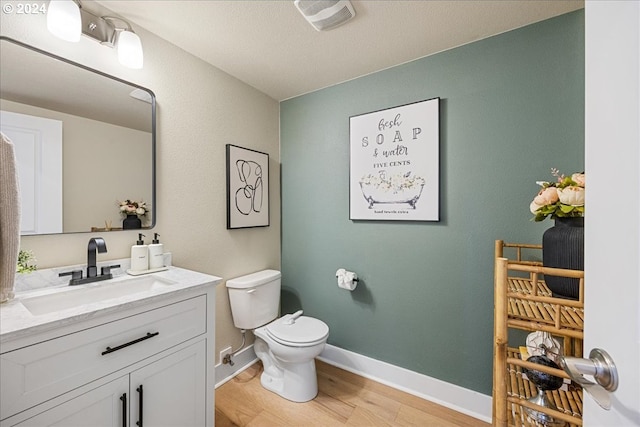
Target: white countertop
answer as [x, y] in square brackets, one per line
[17, 321]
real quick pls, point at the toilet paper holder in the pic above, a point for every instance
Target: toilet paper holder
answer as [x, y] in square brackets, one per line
[355, 279]
[347, 279]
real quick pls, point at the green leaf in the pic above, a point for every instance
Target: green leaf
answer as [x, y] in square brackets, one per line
[566, 208]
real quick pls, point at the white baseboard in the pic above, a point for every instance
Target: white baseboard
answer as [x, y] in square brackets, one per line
[460, 399]
[241, 361]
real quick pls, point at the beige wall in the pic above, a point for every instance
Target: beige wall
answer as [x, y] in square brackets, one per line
[200, 109]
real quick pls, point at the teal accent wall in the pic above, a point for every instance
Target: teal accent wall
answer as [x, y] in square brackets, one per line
[512, 107]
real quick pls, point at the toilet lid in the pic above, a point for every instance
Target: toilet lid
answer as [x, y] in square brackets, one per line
[303, 330]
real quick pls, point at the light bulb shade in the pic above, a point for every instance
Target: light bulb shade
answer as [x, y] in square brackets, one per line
[64, 21]
[130, 49]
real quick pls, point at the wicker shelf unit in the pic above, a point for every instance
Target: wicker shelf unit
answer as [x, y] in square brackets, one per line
[523, 301]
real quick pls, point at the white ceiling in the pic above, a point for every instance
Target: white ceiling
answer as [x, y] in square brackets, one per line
[270, 46]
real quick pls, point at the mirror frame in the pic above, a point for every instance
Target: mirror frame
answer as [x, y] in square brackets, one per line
[153, 127]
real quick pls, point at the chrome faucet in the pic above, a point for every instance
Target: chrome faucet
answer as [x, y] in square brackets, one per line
[96, 245]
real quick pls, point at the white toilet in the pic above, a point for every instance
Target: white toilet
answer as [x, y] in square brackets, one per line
[287, 345]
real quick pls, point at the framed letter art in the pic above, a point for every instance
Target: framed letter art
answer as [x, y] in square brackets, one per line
[395, 160]
[247, 188]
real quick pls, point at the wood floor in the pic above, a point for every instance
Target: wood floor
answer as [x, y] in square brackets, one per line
[344, 399]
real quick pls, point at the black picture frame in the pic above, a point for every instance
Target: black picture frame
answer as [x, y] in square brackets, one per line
[247, 187]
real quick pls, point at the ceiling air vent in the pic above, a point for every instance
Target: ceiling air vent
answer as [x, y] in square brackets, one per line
[326, 14]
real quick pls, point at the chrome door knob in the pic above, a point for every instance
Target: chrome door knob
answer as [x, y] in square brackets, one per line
[601, 367]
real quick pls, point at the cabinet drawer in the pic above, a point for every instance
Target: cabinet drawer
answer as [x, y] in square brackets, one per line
[36, 373]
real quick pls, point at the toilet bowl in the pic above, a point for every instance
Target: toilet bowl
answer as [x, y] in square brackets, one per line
[287, 350]
[287, 346]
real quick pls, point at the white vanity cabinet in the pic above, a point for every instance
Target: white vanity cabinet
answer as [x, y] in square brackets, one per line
[168, 392]
[148, 365]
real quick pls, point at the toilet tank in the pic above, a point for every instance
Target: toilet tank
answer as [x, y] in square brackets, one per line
[254, 298]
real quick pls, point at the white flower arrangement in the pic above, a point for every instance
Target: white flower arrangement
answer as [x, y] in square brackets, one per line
[130, 207]
[561, 199]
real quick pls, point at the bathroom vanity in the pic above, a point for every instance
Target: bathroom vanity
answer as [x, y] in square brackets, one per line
[131, 351]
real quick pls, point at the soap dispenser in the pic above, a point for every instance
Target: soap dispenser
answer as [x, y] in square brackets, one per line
[139, 255]
[156, 253]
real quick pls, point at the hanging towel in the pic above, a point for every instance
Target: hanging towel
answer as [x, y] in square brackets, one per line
[9, 218]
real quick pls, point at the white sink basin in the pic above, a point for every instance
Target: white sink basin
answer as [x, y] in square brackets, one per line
[74, 296]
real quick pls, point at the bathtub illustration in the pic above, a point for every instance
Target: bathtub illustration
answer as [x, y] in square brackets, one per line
[399, 188]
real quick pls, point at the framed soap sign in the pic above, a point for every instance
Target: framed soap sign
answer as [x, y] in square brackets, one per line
[394, 163]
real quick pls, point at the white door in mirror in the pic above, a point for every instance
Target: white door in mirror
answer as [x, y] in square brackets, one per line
[38, 148]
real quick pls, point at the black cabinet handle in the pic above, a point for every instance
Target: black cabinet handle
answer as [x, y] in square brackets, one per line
[123, 398]
[120, 347]
[139, 390]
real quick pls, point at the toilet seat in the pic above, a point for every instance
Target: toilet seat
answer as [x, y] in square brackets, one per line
[304, 331]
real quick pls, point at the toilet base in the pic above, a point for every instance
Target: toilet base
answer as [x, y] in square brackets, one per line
[299, 384]
[295, 381]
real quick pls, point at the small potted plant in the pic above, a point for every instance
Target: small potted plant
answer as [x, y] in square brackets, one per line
[25, 262]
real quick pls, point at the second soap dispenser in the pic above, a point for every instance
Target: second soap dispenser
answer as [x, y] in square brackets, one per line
[156, 253]
[139, 255]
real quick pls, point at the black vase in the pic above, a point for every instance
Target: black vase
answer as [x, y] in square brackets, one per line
[131, 222]
[563, 247]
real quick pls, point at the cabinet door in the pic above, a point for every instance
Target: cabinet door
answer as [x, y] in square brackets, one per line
[171, 391]
[103, 406]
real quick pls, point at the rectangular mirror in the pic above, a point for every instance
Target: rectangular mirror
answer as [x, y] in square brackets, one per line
[85, 141]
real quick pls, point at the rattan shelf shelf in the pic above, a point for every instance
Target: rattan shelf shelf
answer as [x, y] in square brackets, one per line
[523, 301]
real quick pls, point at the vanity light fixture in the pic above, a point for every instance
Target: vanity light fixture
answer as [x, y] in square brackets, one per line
[63, 20]
[68, 19]
[129, 48]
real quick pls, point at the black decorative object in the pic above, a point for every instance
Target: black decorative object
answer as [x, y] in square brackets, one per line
[131, 222]
[563, 247]
[544, 382]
